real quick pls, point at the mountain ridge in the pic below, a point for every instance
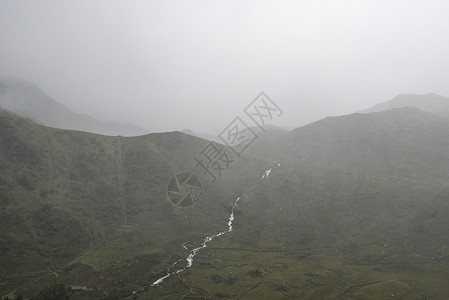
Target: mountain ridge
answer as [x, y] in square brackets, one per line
[430, 102]
[390, 138]
[363, 192]
[28, 100]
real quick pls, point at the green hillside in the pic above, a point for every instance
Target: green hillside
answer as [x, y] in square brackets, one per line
[61, 194]
[356, 209]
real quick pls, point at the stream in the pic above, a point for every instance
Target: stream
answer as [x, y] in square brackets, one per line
[207, 239]
[195, 251]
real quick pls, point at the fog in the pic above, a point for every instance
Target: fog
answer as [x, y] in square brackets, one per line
[169, 65]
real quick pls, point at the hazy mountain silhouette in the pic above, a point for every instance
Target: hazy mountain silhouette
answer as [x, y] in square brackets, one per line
[28, 100]
[431, 102]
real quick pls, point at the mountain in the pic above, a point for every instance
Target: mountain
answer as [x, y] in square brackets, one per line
[398, 157]
[406, 143]
[350, 207]
[206, 136]
[62, 192]
[28, 100]
[269, 132]
[432, 103]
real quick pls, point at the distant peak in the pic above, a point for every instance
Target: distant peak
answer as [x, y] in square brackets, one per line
[28, 100]
[432, 94]
[17, 84]
[188, 131]
[430, 102]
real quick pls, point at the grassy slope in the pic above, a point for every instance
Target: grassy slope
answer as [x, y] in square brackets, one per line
[369, 225]
[60, 194]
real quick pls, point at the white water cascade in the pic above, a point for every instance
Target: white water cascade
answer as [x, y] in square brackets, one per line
[195, 251]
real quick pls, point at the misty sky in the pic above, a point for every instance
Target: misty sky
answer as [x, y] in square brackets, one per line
[169, 65]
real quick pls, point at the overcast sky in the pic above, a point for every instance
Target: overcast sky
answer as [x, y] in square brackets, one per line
[168, 65]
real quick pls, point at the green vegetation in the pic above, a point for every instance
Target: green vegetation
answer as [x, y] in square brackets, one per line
[53, 292]
[357, 210]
